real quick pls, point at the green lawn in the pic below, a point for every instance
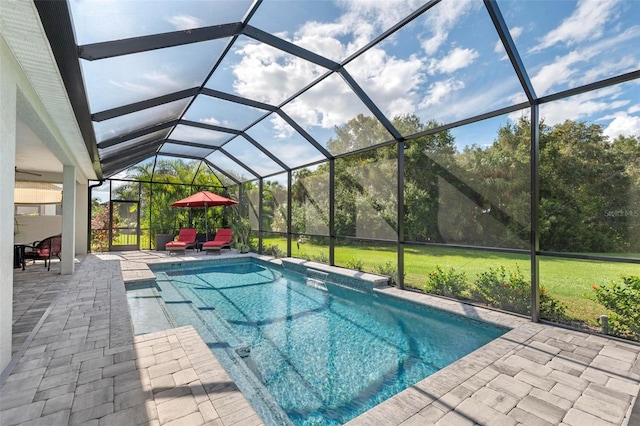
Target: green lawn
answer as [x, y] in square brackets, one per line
[567, 280]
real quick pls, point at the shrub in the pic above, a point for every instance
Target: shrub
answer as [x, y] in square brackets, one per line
[274, 251]
[321, 258]
[550, 308]
[510, 291]
[623, 298]
[446, 283]
[356, 264]
[390, 270]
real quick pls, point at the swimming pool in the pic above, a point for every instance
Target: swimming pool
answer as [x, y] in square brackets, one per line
[319, 352]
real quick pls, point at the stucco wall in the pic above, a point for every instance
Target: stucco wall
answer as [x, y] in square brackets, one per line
[36, 228]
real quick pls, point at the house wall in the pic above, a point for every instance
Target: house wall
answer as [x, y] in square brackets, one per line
[36, 228]
[31, 87]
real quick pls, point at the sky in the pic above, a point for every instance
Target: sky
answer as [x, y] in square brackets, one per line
[447, 64]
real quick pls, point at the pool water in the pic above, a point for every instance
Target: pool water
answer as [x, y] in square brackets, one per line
[325, 353]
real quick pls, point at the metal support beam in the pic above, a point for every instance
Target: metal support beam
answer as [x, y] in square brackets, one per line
[332, 207]
[619, 79]
[213, 166]
[289, 210]
[249, 169]
[290, 48]
[366, 100]
[237, 99]
[262, 149]
[56, 21]
[210, 127]
[304, 133]
[400, 212]
[139, 106]
[193, 144]
[260, 207]
[510, 48]
[391, 30]
[126, 162]
[535, 211]
[136, 134]
[110, 49]
[119, 153]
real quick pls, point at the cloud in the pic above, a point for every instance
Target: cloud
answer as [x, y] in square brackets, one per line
[606, 69]
[365, 19]
[215, 122]
[294, 153]
[480, 99]
[267, 74]
[196, 134]
[456, 59]
[585, 23]
[564, 71]
[391, 82]
[328, 104]
[623, 125]
[583, 107]
[556, 73]
[439, 90]
[270, 75]
[151, 84]
[185, 22]
[211, 120]
[441, 18]
[360, 22]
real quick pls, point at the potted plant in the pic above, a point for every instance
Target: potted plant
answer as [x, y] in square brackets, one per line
[162, 237]
[241, 230]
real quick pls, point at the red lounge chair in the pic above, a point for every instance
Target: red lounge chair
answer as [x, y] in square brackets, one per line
[44, 250]
[222, 239]
[186, 239]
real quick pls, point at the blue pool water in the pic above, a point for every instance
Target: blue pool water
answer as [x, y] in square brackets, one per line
[323, 352]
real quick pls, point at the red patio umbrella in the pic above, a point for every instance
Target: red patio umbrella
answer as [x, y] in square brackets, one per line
[204, 199]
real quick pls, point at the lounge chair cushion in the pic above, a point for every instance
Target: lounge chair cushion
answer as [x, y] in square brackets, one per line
[186, 239]
[223, 238]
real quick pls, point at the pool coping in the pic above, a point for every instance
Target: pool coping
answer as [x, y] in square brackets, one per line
[535, 373]
[537, 367]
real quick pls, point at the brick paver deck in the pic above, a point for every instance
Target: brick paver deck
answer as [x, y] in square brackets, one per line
[77, 362]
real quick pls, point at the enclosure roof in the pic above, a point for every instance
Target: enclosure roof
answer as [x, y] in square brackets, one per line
[254, 89]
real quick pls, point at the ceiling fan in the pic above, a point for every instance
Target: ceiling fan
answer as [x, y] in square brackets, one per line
[27, 172]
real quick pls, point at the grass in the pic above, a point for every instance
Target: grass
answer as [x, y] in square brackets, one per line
[568, 280]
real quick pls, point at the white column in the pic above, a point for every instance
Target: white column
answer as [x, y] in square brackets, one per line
[82, 217]
[8, 90]
[68, 219]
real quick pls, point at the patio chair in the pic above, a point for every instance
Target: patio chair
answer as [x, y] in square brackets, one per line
[186, 239]
[44, 250]
[222, 240]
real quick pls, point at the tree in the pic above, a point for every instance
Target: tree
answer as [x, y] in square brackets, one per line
[584, 180]
[425, 160]
[497, 189]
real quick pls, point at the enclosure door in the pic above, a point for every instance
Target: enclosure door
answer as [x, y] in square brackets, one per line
[125, 226]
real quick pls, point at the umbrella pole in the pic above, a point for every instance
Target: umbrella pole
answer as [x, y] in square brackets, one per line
[206, 223]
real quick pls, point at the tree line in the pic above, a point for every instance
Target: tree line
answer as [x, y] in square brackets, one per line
[589, 189]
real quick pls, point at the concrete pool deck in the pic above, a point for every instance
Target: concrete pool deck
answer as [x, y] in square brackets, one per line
[76, 361]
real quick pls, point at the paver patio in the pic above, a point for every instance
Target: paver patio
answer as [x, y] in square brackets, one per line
[77, 362]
